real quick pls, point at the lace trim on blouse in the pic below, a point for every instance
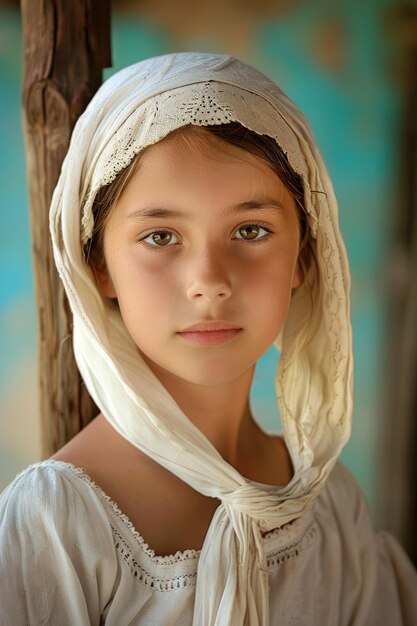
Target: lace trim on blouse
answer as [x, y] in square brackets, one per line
[159, 583]
[161, 560]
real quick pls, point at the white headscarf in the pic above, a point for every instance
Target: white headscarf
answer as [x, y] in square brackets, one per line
[135, 108]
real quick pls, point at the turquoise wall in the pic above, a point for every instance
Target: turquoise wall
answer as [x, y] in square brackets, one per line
[332, 61]
[19, 431]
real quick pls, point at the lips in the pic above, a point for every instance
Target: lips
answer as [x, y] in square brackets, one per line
[209, 325]
[210, 332]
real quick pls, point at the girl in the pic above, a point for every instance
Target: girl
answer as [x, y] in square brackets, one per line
[194, 225]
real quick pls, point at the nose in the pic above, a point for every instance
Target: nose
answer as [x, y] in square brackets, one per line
[209, 276]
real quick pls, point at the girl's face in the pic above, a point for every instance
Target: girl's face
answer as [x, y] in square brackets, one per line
[206, 232]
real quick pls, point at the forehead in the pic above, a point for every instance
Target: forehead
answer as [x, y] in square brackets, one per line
[200, 150]
[132, 117]
[192, 154]
[186, 179]
[200, 140]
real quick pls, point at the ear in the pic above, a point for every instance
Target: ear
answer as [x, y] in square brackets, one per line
[104, 282]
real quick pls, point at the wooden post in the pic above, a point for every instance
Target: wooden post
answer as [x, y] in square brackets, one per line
[404, 404]
[398, 498]
[66, 45]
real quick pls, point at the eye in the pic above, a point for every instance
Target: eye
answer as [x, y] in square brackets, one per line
[161, 238]
[251, 231]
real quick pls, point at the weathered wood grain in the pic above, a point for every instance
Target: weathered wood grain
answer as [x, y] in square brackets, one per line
[66, 46]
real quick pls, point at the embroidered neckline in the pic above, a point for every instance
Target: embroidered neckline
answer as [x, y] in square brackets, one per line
[171, 559]
[162, 560]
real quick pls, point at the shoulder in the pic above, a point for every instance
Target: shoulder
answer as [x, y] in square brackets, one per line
[343, 484]
[343, 496]
[376, 569]
[342, 513]
[46, 496]
[45, 481]
[57, 550]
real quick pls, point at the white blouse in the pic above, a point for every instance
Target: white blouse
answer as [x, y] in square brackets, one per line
[70, 557]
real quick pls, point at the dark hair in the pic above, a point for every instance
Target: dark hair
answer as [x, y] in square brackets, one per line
[233, 133]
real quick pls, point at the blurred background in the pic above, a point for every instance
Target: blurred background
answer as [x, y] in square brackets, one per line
[346, 64]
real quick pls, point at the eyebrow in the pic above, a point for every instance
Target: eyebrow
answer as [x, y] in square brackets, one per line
[164, 213]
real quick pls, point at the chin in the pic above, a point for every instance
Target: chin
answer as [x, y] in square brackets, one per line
[197, 371]
[204, 377]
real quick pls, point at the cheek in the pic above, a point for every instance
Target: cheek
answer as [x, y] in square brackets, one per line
[271, 289]
[143, 287]
[274, 273]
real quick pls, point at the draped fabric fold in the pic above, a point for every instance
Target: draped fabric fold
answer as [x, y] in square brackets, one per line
[244, 571]
[135, 108]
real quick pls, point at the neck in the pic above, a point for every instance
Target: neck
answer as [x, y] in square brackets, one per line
[221, 412]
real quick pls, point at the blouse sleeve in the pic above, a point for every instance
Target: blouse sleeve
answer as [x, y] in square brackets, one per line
[382, 582]
[57, 559]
